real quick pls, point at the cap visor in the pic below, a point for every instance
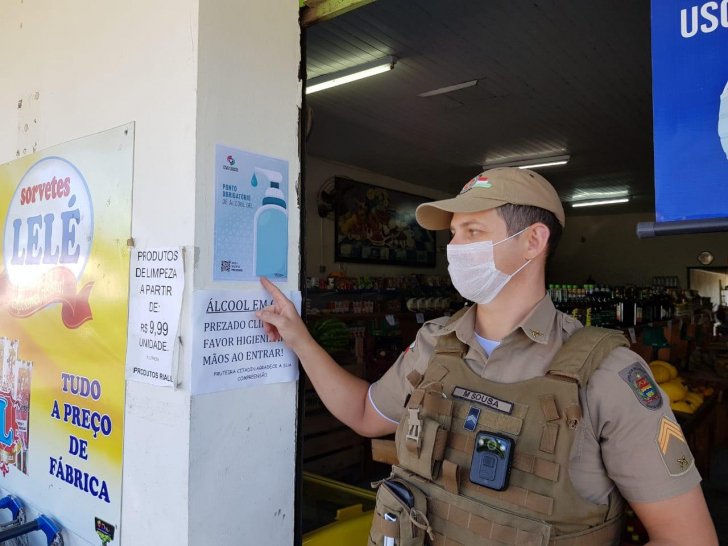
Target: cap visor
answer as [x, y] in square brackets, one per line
[438, 214]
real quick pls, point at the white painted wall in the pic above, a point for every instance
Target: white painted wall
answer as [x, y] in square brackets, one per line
[612, 254]
[214, 469]
[97, 65]
[709, 284]
[320, 233]
[242, 453]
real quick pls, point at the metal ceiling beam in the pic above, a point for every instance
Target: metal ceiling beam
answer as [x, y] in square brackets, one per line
[317, 11]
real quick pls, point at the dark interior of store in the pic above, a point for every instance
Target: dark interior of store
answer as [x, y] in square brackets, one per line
[470, 86]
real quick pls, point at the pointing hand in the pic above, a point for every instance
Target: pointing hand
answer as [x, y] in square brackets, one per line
[281, 321]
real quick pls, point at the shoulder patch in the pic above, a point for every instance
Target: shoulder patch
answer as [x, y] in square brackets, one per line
[673, 448]
[643, 386]
[408, 349]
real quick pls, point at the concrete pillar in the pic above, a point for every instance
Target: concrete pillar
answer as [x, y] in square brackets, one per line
[242, 442]
[215, 468]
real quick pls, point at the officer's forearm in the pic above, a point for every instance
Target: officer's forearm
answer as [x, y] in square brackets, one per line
[679, 520]
[343, 394]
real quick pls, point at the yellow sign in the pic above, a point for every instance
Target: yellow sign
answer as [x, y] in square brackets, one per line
[63, 316]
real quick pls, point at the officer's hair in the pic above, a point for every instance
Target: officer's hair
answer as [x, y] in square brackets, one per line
[519, 217]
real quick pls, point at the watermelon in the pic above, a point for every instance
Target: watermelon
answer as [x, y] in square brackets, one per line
[332, 334]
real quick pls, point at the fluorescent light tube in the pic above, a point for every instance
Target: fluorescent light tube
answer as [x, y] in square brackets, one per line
[600, 202]
[549, 164]
[591, 195]
[532, 163]
[449, 89]
[385, 64]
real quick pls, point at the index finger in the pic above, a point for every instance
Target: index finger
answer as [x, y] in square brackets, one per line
[279, 297]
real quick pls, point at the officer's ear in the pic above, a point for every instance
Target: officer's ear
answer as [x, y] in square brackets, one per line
[537, 241]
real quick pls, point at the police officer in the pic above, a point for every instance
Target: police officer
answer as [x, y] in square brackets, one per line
[589, 424]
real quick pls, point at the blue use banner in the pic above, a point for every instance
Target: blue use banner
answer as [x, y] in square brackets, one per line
[690, 94]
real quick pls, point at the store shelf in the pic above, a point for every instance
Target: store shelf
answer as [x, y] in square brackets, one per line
[354, 369]
[383, 291]
[327, 291]
[320, 421]
[659, 323]
[348, 317]
[330, 447]
[331, 441]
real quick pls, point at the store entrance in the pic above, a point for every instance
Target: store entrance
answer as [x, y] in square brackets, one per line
[407, 102]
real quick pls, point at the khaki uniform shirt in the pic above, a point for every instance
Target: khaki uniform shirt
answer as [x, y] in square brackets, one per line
[618, 441]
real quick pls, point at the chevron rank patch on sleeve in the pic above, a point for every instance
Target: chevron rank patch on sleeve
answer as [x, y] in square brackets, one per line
[673, 448]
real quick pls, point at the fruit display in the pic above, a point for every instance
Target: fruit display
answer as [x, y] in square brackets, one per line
[332, 334]
[682, 397]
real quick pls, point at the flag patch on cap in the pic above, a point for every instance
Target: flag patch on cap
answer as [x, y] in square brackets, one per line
[477, 182]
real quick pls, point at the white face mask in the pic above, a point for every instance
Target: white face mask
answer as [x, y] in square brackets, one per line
[473, 271]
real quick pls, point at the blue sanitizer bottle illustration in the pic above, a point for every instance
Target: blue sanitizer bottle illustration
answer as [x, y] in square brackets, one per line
[270, 237]
[723, 120]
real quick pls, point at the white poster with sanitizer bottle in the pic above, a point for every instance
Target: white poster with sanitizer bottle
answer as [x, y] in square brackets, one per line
[251, 216]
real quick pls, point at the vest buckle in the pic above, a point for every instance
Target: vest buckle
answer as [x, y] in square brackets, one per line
[414, 427]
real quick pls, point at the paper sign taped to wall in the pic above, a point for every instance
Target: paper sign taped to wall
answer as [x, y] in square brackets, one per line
[230, 349]
[155, 302]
